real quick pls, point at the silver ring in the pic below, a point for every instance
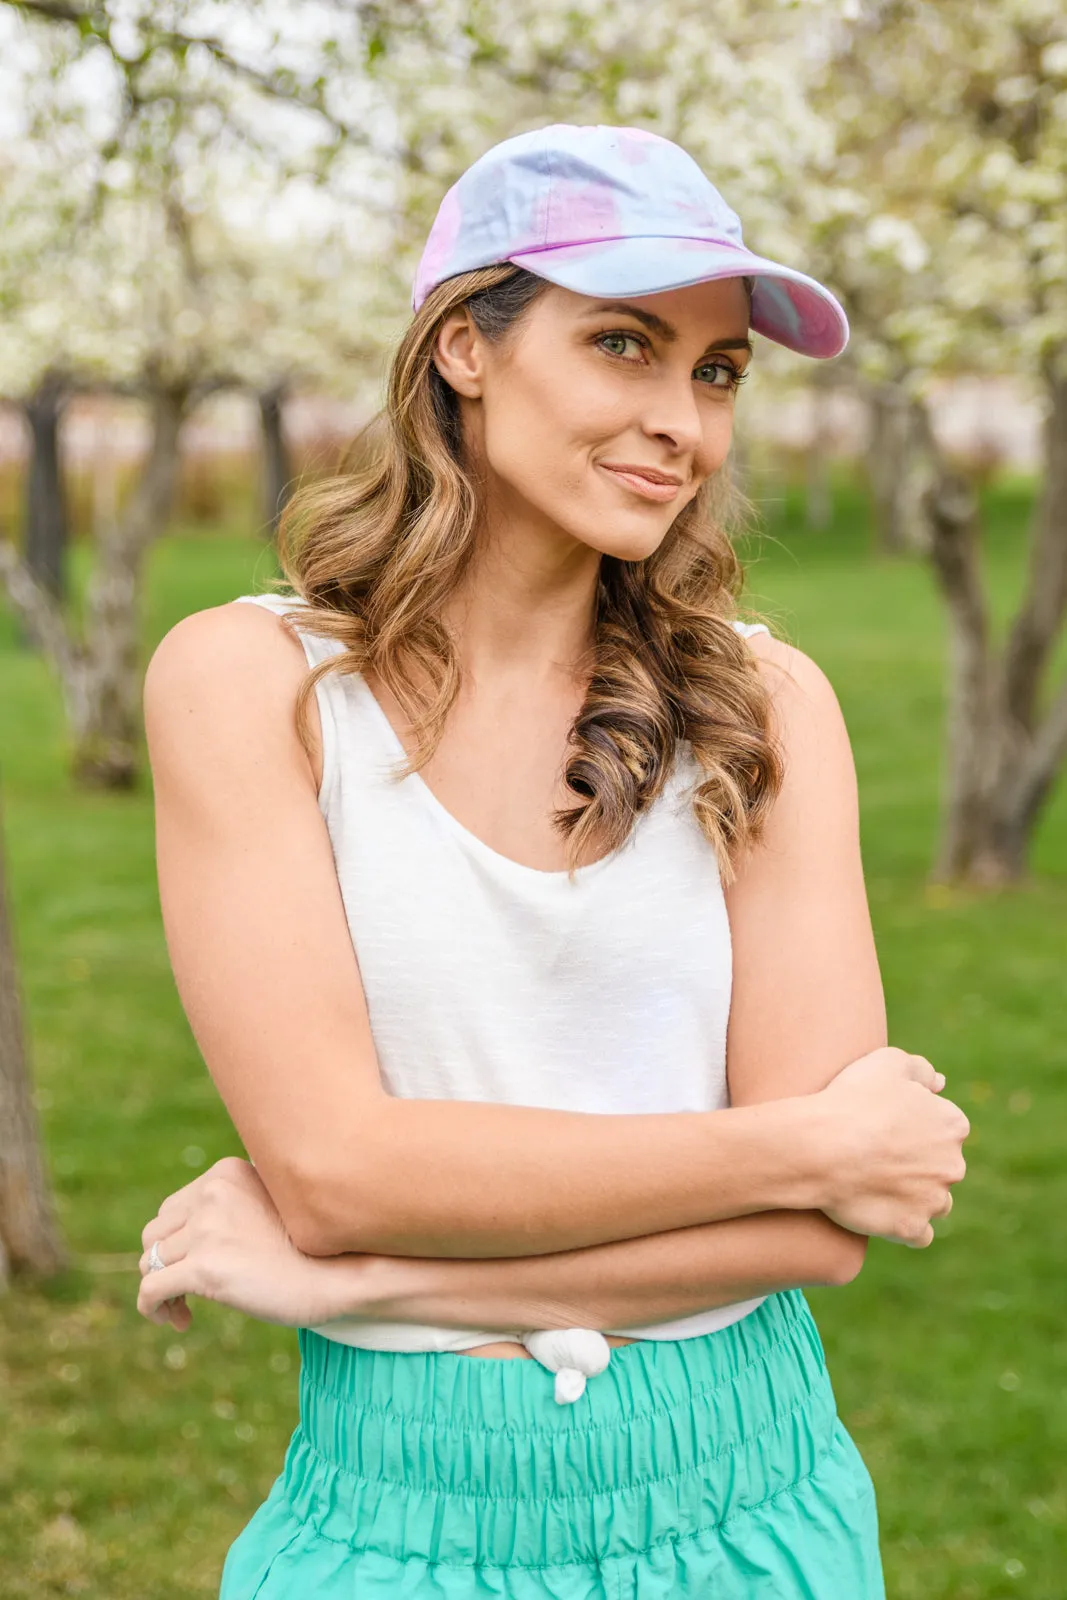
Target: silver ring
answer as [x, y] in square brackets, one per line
[155, 1260]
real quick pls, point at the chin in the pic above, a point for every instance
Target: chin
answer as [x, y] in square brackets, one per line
[625, 545]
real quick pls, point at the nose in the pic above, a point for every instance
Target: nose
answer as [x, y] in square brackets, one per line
[673, 416]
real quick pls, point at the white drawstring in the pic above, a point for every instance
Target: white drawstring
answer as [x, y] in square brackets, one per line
[573, 1354]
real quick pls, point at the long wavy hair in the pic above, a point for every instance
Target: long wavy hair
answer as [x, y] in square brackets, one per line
[376, 551]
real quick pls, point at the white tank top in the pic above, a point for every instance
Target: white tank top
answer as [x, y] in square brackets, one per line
[489, 980]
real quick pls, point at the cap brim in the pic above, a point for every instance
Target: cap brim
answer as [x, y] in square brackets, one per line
[787, 306]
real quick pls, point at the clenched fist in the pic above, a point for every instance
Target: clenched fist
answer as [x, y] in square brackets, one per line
[895, 1146]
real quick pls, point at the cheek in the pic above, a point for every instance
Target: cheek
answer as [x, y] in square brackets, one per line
[538, 436]
[717, 433]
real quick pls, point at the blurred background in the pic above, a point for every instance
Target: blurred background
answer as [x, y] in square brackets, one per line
[210, 216]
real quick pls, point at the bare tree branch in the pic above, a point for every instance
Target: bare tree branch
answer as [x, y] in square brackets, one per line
[42, 616]
[93, 23]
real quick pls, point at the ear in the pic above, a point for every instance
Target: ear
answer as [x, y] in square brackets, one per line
[459, 353]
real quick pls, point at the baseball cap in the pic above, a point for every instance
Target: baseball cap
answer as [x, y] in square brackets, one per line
[615, 212]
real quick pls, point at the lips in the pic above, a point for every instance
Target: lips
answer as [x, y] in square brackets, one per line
[645, 481]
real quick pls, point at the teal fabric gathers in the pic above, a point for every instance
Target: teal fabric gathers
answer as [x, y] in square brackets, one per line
[715, 1467]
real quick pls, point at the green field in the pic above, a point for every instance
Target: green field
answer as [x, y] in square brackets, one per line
[130, 1457]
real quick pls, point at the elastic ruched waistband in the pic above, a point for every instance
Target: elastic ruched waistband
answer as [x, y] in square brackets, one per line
[424, 1453]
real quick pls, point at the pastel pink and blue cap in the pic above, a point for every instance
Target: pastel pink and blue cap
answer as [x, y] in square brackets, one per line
[616, 212]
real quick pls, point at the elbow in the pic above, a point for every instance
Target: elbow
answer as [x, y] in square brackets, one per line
[328, 1222]
[334, 1195]
[311, 1237]
[324, 1217]
[846, 1256]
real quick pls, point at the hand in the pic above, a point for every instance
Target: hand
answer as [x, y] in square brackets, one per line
[895, 1146]
[221, 1237]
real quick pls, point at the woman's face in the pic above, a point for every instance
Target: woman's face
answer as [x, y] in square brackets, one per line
[583, 389]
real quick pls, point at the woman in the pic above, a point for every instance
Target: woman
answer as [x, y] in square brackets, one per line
[516, 1128]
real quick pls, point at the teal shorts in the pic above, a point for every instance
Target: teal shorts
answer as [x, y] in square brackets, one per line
[715, 1467]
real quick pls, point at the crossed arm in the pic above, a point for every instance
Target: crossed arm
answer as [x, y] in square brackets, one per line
[517, 1214]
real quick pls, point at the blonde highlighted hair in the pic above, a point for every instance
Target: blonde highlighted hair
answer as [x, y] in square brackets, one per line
[378, 550]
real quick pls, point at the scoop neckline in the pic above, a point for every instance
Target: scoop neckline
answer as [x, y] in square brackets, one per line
[472, 840]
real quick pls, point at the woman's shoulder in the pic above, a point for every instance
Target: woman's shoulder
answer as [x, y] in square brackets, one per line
[805, 707]
[224, 644]
[226, 679]
[809, 722]
[220, 693]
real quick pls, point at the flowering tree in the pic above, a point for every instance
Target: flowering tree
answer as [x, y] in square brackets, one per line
[912, 155]
[944, 225]
[179, 282]
[174, 178]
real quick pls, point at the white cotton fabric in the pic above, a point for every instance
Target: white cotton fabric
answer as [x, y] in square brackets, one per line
[573, 1354]
[489, 980]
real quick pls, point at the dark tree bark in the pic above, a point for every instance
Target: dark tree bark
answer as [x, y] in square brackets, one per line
[29, 1237]
[277, 460]
[1003, 752]
[99, 674]
[45, 501]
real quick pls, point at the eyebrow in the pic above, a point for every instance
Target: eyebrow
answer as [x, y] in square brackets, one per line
[666, 331]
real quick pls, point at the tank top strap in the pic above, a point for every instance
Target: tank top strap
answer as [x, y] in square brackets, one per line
[349, 716]
[317, 647]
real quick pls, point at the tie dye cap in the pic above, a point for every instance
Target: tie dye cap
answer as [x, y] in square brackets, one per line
[614, 212]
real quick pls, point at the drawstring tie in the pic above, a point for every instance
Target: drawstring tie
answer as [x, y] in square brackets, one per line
[573, 1354]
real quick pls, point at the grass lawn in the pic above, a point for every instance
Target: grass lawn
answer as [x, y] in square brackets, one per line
[130, 1457]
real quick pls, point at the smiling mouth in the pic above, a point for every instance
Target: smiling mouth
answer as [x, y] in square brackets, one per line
[649, 488]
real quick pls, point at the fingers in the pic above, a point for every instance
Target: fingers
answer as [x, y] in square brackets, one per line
[178, 1313]
[922, 1235]
[173, 1247]
[922, 1071]
[173, 1213]
[176, 1208]
[174, 1312]
[156, 1287]
[161, 1297]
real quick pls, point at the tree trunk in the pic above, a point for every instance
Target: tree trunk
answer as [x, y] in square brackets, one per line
[895, 468]
[1039, 625]
[277, 462]
[1040, 617]
[29, 1237]
[1003, 758]
[971, 733]
[99, 676]
[45, 501]
[107, 724]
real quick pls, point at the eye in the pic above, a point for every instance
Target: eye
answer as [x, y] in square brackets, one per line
[725, 374]
[619, 337]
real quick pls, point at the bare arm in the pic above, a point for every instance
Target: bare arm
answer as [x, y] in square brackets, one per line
[265, 968]
[613, 1287]
[807, 994]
